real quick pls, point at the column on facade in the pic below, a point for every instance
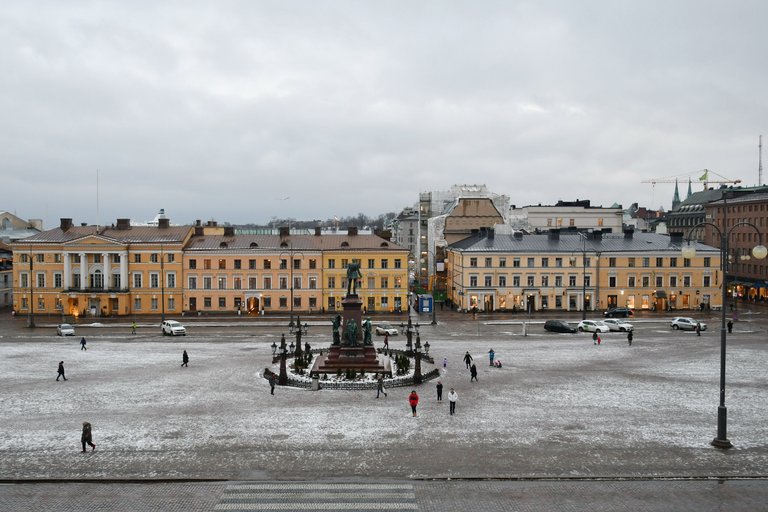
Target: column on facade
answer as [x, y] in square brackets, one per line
[106, 271]
[67, 283]
[124, 270]
[83, 271]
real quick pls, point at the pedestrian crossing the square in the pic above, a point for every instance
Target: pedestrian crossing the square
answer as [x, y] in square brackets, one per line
[265, 497]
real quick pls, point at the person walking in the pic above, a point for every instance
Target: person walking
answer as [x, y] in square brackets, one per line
[452, 397]
[730, 326]
[598, 339]
[473, 373]
[491, 355]
[439, 391]
[386, 341]
[85, 437]
[185, 359]
[82, 343]
[380, 387]
[594, 338]
[468, 359]
[629, 338]
[133, 327]
[698, 329]
[272, 380]
[413, 400]
[445, 363]
[61, 371]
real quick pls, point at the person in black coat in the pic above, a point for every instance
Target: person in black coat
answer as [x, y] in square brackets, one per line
[61, 371]
[85, 438]
[629, 338]
[185, 359]
[473, 372]
[439, 390]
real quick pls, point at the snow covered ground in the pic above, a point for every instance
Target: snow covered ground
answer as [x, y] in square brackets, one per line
[560, 407]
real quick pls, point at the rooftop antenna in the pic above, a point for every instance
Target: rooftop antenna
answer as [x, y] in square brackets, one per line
[760, 161]
[97, 200]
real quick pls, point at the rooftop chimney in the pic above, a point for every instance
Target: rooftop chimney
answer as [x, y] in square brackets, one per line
[518, 235]
[284, 231]
[65, 224]
[163, 223]
[554, 234]
[123, 224]
[318, 231]
[229, 231]
[352, 230]
[628, 233]
[676, 238]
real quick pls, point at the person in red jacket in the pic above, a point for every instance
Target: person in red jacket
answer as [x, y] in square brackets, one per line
[413, 399]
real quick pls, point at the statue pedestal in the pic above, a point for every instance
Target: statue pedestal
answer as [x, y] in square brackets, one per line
[356, 357]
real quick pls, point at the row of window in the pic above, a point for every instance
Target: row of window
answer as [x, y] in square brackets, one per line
[557, 282]
[193, 282]
[283, 263]
[544, 262]
[96, 280]
[96, 258]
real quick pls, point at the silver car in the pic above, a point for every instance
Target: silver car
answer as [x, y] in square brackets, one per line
[593, 326]
[685, 323]
[615, 324]
[173, 328]
[65, 330]
[383, 329]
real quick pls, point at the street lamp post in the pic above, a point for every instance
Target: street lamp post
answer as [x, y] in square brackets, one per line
[583, 276]
[417, 377]
[283, 378]
[31, 317]
[434, 286]
[759, 252]
[410, 329]
[291, 252]
[162, 285]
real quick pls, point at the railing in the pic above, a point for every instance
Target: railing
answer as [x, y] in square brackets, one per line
[96, 290]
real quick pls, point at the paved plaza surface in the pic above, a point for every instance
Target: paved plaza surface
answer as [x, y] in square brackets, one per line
[562, 417]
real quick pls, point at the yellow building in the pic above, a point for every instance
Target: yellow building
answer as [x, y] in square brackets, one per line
[289, 273]
[98, 271]
[570, 271]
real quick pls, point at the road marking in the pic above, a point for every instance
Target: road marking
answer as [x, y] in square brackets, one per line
[330, 496]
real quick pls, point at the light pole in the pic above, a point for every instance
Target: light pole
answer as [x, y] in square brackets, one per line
[759, 252]
[583, 276]
[434, 286]
[417, 378]
[162, 285]
[291, 252]
[283, 378]
[31, 318]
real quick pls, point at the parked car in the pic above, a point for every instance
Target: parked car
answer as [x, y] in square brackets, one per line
[65, 330]
[618, 313]
[685, 323]
[593, 326]
[173, 328]
[383, 329]
[618, 325]
[558, 326]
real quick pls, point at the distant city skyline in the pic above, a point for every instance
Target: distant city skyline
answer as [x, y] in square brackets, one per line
[245, 111]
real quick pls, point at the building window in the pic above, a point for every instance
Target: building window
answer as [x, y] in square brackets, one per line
[398, 282]
[41, 280]
[571, 280]
[502, 281]
[611, 262]
[237, 283]
[137, 304]
[516, 281]
[206, 264]
[545, 280]
[707, 281]
[385, 263]
[192, 280]
[57, 280]
[630, 281]
[297, 283]
[707, 261]
[312, 282]
[559, 262]
[587, 280]
[659, 281]
[222, 302]
[238, 264]
[153, 303]
[312, 302]
[331, 283]
[371, 263]
[154, 280]
[222, 264]
[267, 264]
[473, 281]
[152, 258]
[171, 303]
[283, 302]
[193, 264]
[672, 262]
[530, 262]
[673, 281]
[136, 280]
[331, 263]
[253, 283]
[312, 263]
[171, 278]
[251, 264]
[207, 302]
[545, 262]
[488, 281]
[659, 262]
[385, 282]
[297, 264]
[559, 281]
[646, 281]
[502, 262]
[473, 262]
[283, 282]
[630, 262]
[136, 258]
[222, 282]
[488, 262]
[171, 258]
[207, 282]
[398, 264]
[530, 280]
[686, 281]
[516, 262]
[646, 262]
[686, 262]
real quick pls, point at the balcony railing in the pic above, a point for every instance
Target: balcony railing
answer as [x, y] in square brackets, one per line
[96, 290]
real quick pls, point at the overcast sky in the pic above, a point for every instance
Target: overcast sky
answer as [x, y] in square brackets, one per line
[241, 111]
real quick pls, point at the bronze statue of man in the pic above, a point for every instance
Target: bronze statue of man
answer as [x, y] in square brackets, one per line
[336, 330]
[353, 274]
[351, 334]
[367, 332]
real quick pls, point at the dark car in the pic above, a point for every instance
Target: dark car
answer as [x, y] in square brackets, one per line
[618, 313]
[558, 326]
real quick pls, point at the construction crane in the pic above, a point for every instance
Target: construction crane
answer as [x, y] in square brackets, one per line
[704, 178]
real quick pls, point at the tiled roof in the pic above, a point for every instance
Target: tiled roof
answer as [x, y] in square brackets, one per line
[136, 234]
[572, 243]
[292, 242]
